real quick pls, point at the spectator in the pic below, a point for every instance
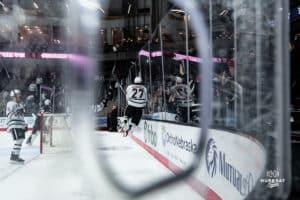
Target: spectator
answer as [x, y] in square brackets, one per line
[183, 95]
[158, 99]
[3, 102]
[171, 104]
[112, 120]
[228, 91]
[32, 100]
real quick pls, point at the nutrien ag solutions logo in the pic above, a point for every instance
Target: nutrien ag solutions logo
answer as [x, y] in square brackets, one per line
[211, 157]
[216, 164]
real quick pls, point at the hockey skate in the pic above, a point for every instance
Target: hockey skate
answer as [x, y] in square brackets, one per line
[127, 131]
[31, 139]
[15, 159]
[28, 141]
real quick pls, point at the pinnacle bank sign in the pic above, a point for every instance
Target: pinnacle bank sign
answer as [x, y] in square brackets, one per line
[216, 164]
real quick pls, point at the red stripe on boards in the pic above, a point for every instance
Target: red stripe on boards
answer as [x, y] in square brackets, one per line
[192, 181]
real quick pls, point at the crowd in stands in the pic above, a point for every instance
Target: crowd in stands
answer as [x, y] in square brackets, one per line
[36, 87]
[180, 95]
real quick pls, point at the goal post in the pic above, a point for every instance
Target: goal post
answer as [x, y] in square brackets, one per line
[55, 133]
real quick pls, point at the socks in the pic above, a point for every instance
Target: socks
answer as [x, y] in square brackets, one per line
[17, 147]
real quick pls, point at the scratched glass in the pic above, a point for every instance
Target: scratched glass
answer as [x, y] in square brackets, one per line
[217, 108]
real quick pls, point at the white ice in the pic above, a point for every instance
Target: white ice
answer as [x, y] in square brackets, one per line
[59, 175]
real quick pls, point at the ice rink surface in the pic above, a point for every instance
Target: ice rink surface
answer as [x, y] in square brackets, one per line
[60, 175]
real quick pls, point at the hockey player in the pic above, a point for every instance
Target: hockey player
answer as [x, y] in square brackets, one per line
[136, 96]
[32, 99]
[47, 109]
[183, 97]
[16, 124]
[48, 120]
[32, 106]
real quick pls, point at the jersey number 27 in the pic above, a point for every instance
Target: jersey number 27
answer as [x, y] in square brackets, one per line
[137, 92]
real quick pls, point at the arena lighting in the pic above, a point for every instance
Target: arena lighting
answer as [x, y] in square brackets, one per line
[223, 12]
[177, 11]
[101, 10]
[156, 54]
[91, 4]
[63, 56]
[67, 56]
[181, 57]
[3, 6]
[129, 8]
[35, 5]
[144, 53]
[199, 60]
[12, 54]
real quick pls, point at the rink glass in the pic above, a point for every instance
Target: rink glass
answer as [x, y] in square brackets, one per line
[233, 67]
[249, 85]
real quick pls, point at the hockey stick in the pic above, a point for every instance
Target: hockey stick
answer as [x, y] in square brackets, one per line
[122, 89]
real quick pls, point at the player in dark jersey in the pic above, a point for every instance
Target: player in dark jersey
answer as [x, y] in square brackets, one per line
[47, 109]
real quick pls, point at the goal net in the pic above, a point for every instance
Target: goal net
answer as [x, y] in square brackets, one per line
[55, 133]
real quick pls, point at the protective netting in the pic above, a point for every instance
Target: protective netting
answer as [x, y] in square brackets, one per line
[55, 133]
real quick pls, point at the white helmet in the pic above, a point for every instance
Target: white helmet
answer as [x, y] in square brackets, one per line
[32, 87]
[39, 80]
[15, 92]
[47, 102]
[138, 79]
[178, 79]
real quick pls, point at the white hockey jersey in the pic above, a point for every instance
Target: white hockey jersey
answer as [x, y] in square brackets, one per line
[182, 93]
[136, 96]
[15, 115]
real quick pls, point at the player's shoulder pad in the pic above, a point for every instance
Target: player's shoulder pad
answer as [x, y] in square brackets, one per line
[11, 103]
